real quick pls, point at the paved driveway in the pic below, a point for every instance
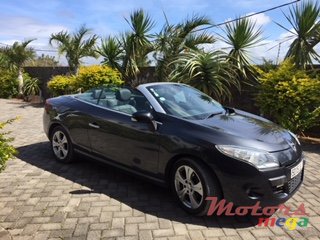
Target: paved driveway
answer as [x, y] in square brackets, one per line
[42, 199]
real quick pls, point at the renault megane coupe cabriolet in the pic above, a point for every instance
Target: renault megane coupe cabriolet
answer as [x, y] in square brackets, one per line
[177, 136]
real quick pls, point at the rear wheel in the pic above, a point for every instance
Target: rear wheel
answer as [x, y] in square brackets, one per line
[61, 145]
[191, 184]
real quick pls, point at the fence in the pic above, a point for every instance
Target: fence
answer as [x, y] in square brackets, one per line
[243, 99]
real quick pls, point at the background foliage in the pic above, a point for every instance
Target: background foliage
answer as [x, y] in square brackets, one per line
[290, 97]
[87, 78]
[61, 84]
[8, 83]
[94, 76]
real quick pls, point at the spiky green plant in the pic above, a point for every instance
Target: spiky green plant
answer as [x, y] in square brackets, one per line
[173, 40]
[128, 51]
[76, 46]
[304, 20]
[16, 56]
[242, 35]
[209, 72]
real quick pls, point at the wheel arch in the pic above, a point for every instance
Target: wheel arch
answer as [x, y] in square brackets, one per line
[58, 124]
[196, 158]
[52, 126]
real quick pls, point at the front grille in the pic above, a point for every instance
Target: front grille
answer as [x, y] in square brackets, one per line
[294, 182]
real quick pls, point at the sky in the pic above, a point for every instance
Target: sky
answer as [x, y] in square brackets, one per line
[22, 20]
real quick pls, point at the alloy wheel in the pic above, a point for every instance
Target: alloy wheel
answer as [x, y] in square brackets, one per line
[188, 187]
[60, 145]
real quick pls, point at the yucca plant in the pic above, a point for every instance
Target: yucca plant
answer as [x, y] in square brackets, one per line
[176, 39]
[31, 87]
[242, 35]
[16, 56]
[209, 72]
[128, 52]
[304, 19]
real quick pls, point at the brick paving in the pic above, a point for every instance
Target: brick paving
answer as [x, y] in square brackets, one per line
[43, 199]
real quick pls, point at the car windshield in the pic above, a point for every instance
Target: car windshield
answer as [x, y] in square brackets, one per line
[186, 102]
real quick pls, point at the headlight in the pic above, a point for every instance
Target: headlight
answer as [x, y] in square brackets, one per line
[258, 158]
[295, 137]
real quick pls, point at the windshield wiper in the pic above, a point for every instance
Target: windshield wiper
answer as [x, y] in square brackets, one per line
[213, 114]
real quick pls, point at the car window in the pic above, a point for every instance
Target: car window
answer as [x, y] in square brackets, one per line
[123, 99]
[91, 96]
[184, 101]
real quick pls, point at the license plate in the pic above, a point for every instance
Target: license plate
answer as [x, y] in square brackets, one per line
[296, 170]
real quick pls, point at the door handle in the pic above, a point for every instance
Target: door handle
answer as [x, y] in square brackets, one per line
[94, 125]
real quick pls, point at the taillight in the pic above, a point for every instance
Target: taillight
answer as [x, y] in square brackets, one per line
[47, 106]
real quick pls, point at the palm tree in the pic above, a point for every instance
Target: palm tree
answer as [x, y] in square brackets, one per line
[17, 56]
[76, 46]
[242, 35]
[176, 39]
[129, 51]
[209, 72]
[304, 19]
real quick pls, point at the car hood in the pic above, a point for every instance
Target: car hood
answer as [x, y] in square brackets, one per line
[249, 130]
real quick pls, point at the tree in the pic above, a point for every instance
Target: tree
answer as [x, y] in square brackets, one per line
[129, 51]
[304, 19]
[176, 39]
[242, 35]
[76, 46]
[17, 56]
[209, 72]
[43, 61]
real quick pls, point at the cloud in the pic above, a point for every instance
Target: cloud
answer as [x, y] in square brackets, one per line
[253, 3]
[260, 19]
[26, 27]
[18, 28]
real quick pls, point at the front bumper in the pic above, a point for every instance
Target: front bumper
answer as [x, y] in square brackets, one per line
[246, 185]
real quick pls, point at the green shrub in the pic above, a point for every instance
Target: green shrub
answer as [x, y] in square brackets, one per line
[8, 83]
[6, 150]
[290, 97]
[61, 84]
[87, 78]
[31, 86]
[96, 75]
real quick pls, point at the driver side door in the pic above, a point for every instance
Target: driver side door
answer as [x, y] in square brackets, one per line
[114, 136]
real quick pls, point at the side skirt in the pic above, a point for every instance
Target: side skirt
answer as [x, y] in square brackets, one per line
[134, 172]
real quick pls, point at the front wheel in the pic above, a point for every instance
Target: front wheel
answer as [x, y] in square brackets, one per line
[61, 145]
[191, 184]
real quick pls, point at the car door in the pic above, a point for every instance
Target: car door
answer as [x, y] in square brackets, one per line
[77, 120]
[115, 136]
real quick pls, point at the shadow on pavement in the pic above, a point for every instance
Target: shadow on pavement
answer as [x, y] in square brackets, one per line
[130, 190]
[313, 148]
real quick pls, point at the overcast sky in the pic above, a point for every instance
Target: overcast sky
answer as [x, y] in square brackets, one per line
[26, 19]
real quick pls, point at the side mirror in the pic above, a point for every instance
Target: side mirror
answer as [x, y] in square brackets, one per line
[144, 117]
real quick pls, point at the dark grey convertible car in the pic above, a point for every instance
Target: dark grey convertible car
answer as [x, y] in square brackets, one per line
[177, 136]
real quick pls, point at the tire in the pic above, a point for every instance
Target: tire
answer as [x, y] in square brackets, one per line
[194, 189]
[61, 145]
